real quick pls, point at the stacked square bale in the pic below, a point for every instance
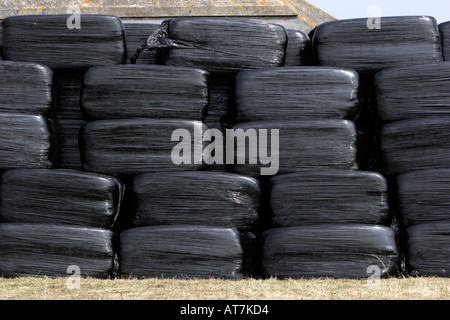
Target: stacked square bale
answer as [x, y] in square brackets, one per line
[69, 52]
[182, 221]
[413, 104]
[205, 217]
[398, 42]
[53, 218]
[324, 217]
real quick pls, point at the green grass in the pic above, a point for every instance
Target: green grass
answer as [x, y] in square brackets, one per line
[42, 288]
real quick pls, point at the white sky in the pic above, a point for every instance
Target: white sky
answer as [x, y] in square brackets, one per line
[347, 9]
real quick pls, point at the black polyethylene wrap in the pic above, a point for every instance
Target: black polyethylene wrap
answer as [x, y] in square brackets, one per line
[400, 41]
[69, 84]
[135, 35]
[68, 146]
[320, 144]
[444, 29]
[296, 93]
[26, 141]
[428, 250]
[60, 196]
[413, 92]
[329, 197]
[226, 44]
[181, 251]
[196, 198]
[133, 91]
[29, 249]
[135, 146]
[47, 40]
[424, 196]
[335, 251]
[298, 50]
[26, 88]
[416, 144]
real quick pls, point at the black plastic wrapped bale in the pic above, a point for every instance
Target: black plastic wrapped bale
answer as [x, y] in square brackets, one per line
[181, 251]
[424, 196]
[68, 146]
[413, 92]
[60, 196]
[428, 251]
[399, 41]
[47, 39]
[29, 249]
[417, 144]
[136, 146]
[138, 91]
[196, 198]
[314, 144]
[226, 44]
[444, 29]
[298, 50]
[69, 84]
[135, 35]
[329, 197]
[296, 93]
[27, 141]
[26, 88]
[334, 251]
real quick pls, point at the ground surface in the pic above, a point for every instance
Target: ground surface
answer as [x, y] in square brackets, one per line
[31, 288]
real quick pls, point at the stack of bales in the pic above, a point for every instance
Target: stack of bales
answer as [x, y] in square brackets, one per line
[53, 215]
[396, 44]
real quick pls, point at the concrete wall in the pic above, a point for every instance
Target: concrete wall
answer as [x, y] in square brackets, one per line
[293, 14]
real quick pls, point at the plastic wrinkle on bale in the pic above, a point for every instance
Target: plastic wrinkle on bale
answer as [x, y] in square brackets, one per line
[319, 144]
[135, 35]
[138, 91]
[417, 144]
[329, 197]
[26, 88]
[196, 198]
[428, 250]
[227, 45]
[424, 196]
[400, 41]
[136, 146]
[335, 251]
[47, 40]
[27, 142]
[29, 249]
[296, 93]
[60, 196]
[411, 92]
[181, 252]
[298, 50]
[219, 44]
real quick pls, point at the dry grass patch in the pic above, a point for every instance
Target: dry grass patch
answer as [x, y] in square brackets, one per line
[42, 288]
